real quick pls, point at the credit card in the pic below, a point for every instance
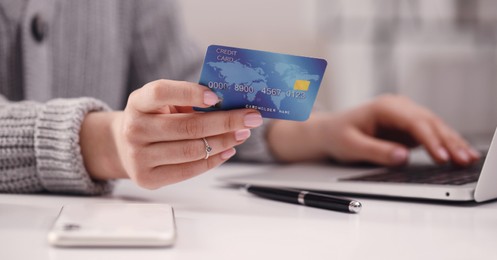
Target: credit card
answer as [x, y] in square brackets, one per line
[279, 85]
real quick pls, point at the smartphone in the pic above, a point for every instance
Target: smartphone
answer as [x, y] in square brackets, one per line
[114, 225]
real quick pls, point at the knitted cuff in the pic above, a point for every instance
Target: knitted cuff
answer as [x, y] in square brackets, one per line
[59, 162]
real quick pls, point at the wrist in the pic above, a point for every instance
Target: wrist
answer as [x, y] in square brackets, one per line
[298, 141]
[98, 146]
[318, 134]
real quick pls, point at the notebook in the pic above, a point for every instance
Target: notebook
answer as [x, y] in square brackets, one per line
[418, 180]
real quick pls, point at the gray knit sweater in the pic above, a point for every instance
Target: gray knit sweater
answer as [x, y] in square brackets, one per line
[62, 59]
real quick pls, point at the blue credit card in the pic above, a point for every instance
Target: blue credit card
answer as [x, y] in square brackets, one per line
[278, 85]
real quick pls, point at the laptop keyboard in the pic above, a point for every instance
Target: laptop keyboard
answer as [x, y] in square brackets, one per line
[426, 174]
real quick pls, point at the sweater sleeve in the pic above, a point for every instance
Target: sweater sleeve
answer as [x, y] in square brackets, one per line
[39, 147]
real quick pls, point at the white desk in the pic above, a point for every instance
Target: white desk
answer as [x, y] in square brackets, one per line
[220, 223]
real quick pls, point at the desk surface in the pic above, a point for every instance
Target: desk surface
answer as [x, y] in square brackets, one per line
[214, 222]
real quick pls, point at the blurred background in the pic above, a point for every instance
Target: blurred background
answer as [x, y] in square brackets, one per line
[442, 54]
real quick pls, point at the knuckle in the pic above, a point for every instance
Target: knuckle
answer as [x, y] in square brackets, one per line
[190, 150]
[192, 127]
[230, 121]
[133, 96]
[155, 88]
[131, 132]
[188, 93]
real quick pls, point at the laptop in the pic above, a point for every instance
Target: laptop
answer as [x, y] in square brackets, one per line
[419, 180]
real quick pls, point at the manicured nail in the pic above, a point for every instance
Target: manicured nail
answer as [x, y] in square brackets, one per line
[443, 154]
[228, 153]
[399, 156]
[463, 155]
[252, 120]
[243, 134]
[210, 98]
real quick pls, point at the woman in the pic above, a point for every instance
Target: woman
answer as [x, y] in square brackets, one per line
[57, 54]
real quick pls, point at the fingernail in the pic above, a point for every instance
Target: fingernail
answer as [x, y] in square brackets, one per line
[252, 120]
[228, 153]
[474, 153]
[443, 154]
[399, 156]
[463, 155]
[210, 98]
[243, 134]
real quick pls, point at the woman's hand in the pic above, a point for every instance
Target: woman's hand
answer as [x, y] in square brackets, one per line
[157, 139]
[379, 132]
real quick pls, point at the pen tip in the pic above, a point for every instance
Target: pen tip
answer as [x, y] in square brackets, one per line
[355, 206]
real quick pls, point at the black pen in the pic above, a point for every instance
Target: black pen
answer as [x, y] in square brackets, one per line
[307, 198]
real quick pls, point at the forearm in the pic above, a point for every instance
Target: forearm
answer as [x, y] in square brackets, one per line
[40, 147]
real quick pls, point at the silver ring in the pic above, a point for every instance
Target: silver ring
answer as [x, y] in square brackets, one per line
[208, 149]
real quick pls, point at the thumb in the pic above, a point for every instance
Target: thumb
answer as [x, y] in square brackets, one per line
[371, 149]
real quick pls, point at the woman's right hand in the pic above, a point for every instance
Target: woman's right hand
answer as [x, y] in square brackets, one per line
[157, 139]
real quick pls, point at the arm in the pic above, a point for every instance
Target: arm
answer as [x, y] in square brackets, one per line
[39, 147]
[60, 147]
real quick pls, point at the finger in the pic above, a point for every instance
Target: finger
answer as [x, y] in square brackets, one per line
[475, 154]
[176, 152]
[459, 150]
[426, 135]
[159, 128]
[169, 174]
[160, 93]
[367, 148]
[424, 127]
